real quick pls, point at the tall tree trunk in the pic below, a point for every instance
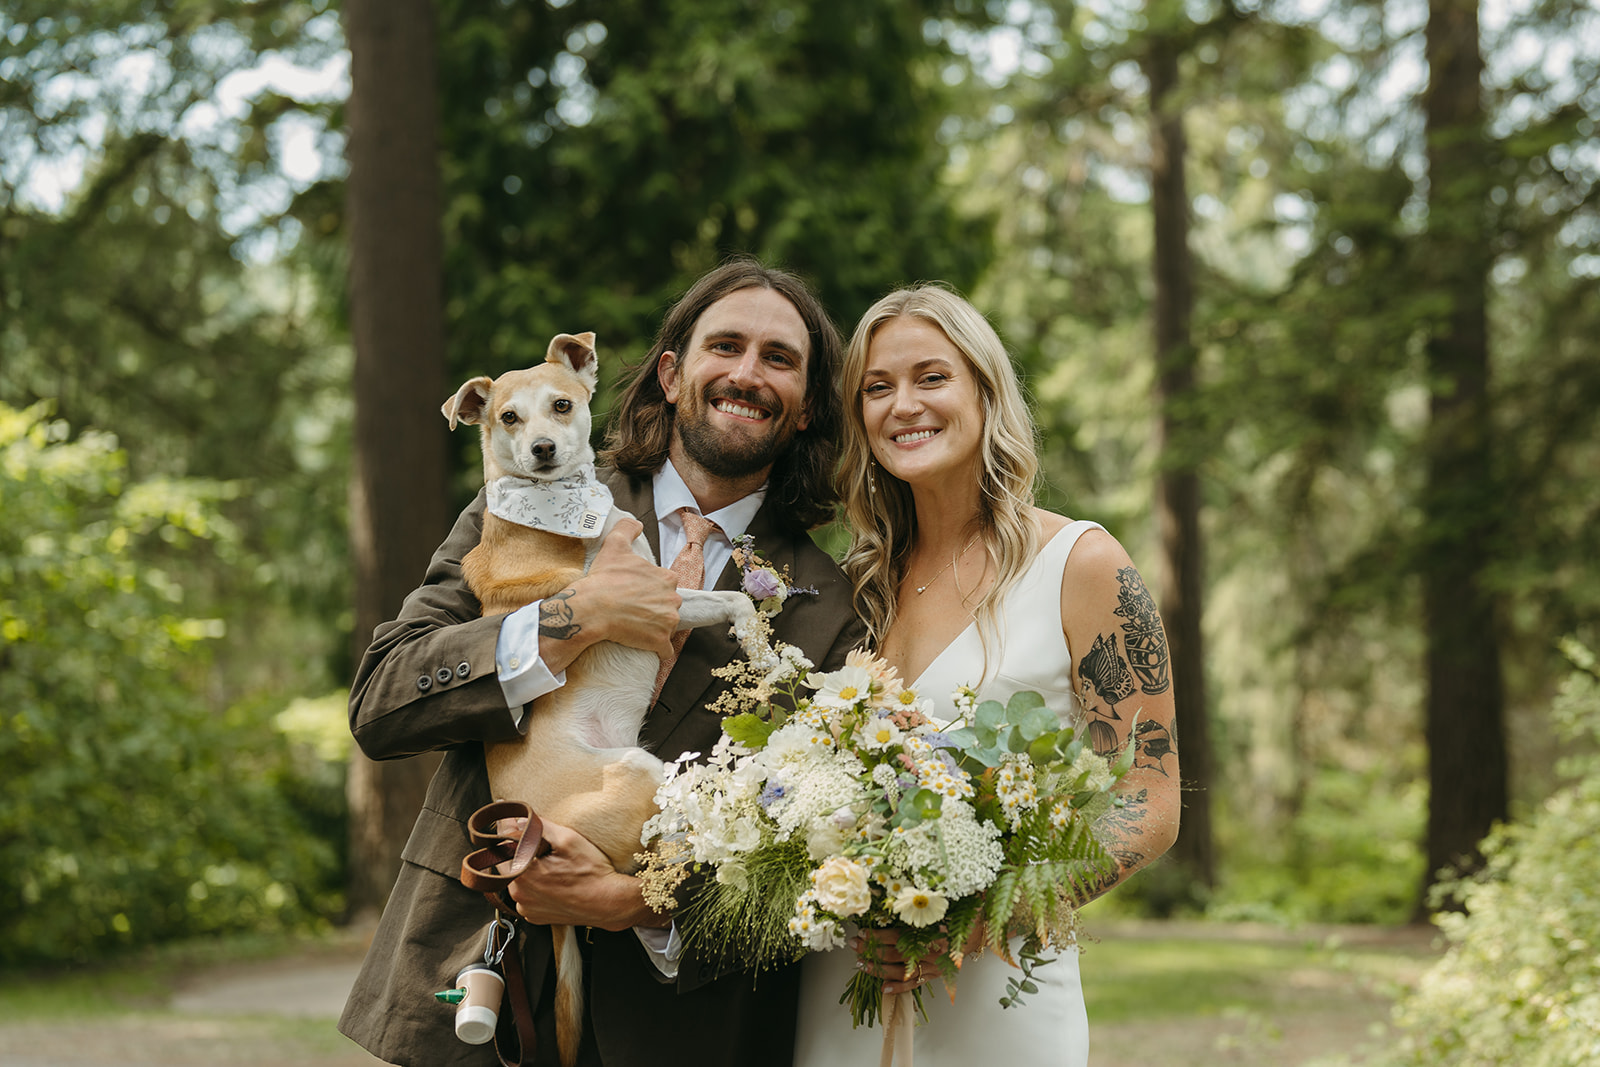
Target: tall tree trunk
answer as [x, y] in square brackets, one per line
[398, 495]
[1465, 702]
[1178, 487]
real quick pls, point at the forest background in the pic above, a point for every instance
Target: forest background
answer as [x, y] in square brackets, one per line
[1305, 295]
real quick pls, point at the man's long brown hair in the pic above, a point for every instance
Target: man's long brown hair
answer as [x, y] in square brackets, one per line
[801, 483]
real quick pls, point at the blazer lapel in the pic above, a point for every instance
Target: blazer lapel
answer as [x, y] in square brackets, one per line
[638, 498]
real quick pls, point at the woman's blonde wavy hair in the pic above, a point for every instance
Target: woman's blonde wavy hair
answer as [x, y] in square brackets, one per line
[883, 523]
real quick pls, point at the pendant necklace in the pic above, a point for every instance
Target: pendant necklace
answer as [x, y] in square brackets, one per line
[947, 566]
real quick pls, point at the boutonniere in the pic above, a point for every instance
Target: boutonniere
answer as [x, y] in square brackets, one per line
[768, 586]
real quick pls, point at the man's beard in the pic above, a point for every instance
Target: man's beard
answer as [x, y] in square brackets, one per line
[733, 455]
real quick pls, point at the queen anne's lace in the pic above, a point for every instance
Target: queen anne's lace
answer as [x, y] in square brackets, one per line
[958, 853]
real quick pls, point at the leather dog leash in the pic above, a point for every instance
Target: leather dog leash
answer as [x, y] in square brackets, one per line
[499, 859]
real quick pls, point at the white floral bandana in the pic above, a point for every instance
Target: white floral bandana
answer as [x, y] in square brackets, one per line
[576, 506]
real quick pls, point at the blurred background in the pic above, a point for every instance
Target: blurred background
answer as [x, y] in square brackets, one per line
[1306, 294]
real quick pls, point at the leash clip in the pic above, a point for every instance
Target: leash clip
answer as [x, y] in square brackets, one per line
[501, 933]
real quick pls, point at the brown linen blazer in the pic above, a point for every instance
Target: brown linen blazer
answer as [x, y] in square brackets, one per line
[428, 682]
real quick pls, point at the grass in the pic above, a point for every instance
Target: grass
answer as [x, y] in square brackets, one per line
[1129, 973]
[1131, 979]
[1210, 994]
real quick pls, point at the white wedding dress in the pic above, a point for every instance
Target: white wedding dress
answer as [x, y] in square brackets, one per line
[1050, 1027]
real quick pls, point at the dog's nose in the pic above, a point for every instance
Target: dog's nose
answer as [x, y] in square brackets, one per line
[544, 450]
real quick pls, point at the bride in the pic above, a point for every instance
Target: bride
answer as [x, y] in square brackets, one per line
[962, 581]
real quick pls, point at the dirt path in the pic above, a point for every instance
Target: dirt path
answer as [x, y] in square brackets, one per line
[281, 1012]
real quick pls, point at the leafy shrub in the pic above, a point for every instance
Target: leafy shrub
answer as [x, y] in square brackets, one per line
[129, 811]
[1351, 855]
[1521, 981]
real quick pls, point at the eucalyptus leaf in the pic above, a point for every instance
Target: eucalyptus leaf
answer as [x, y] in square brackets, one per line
[1028, 712]
[987, 720]
[916, 806]
[963, 737]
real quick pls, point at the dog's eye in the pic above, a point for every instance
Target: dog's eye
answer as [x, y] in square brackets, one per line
[563, 405]
[509, 418]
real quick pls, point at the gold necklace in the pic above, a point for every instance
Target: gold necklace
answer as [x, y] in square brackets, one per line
[947, 566]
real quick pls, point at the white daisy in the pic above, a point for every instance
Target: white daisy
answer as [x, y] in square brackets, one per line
[920, 907]
[878, 734]
[842, 688]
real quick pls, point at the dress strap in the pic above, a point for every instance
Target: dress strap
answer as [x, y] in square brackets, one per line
[1060, 546]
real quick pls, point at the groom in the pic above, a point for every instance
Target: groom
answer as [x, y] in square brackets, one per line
[732, 418]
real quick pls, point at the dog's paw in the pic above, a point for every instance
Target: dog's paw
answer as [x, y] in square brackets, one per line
[741, 609]
[705, 609]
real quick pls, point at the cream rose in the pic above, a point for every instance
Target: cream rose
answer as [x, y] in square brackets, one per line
[842, 886]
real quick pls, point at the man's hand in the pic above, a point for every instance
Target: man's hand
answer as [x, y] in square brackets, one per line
[575, 885]
[624, 598]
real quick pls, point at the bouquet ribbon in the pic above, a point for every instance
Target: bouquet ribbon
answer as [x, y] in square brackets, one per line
[899, 1017]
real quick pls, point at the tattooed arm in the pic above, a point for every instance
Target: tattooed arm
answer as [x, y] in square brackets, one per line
[1123, 675]
[623, 598]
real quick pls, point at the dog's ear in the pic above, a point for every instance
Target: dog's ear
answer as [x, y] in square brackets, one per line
[468, 403]
[576, 353]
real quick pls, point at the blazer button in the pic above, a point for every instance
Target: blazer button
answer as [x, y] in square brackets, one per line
[463, 669]
[443, 674]
[425, 683]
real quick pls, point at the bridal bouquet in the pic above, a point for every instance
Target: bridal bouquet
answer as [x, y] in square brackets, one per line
[833, 799]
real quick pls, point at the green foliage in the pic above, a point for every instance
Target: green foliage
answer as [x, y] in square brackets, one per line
[1353, 857]
[599, 156]
[1136, 978]
[1521, 981]
[748, 922]
[750, 729]
[153, 300]
[132, 812]
[1028, 961]
[1310, 319]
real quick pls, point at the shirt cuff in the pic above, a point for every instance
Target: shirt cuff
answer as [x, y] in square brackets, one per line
[523, 675]
[664, 947]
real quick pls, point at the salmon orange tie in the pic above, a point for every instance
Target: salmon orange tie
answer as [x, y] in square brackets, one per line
[690, 567]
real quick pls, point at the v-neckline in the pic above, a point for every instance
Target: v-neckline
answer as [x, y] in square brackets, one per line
[1037, 556]
[917, 685]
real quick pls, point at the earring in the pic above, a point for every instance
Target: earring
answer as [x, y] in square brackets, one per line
[872, 482]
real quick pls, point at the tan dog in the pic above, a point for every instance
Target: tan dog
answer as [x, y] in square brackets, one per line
[578, 762]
